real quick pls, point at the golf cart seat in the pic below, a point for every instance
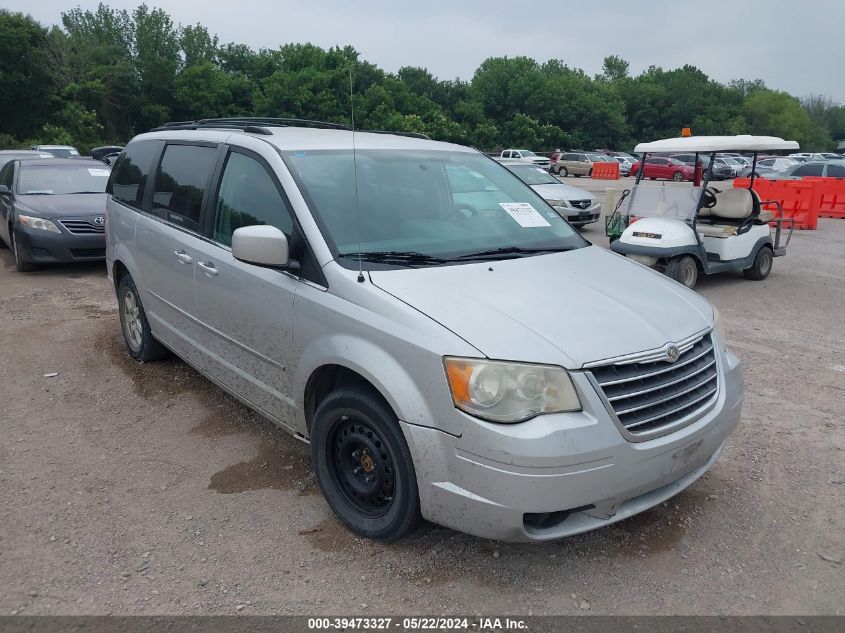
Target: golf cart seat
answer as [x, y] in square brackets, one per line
[735, 209]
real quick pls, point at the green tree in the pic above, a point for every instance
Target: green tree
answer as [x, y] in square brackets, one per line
[198, 45]
[27, 79]
[777, 113]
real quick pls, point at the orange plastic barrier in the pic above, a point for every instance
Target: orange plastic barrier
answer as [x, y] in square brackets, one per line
[799, 199]
[831, 193]
[605, 171]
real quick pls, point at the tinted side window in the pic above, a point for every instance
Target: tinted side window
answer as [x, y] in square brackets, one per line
[7, 175]
[180, 183]
[129, 176]
[809, 170]
[836, 171]
[248, 196]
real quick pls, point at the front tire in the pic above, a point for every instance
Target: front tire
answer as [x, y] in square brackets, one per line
[139, 339]
[563, 171]
[762, 265]
[21, 265]
[677, 176]
[684, 270]
[363, 465]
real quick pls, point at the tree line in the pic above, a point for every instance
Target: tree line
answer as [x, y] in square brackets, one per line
[105, 75]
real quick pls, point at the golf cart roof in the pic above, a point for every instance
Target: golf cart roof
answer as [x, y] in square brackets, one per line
[743, 142]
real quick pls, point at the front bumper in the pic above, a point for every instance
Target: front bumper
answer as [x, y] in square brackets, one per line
[580, 217]
[486, 481]
[43, 247]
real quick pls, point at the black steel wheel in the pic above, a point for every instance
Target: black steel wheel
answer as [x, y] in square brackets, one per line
[364, 466]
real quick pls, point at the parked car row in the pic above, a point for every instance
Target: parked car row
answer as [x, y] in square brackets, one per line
[52, 210]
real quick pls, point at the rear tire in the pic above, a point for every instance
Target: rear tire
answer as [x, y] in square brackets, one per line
[762, 265]
[684, 270]
[139, 339]
[364, 466]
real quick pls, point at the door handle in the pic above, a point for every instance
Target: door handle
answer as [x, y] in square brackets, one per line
[208, 268]
[183, 257]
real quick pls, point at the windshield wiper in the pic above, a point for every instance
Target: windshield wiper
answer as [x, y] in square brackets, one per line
[513, 250]
[73, 192]
[402, 258]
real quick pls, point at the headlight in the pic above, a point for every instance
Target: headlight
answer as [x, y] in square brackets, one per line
[509, 392]
[38, 223]
[719, 328]
[557, 203]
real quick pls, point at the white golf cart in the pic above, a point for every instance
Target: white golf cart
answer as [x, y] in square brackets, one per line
[684, 230]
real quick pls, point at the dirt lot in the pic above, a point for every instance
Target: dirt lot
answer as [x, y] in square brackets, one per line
[141, 488]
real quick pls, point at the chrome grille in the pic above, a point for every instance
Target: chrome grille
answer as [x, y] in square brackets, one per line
[83, 227]
[580, 204]
[648, 396]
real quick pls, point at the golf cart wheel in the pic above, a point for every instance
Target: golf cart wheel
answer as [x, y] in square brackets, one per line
[677, 176]
[762, 265]
[562, 171]
[363, 464]
[683, 269]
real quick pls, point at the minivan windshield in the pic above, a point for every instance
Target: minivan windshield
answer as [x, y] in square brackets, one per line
[432, 206]
[61, 179]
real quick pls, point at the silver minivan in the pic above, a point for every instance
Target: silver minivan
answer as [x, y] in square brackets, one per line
[486, 369]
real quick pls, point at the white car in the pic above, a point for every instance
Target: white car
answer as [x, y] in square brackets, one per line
[808, 156]
[59, 151]
[526, 155]
[736, 166]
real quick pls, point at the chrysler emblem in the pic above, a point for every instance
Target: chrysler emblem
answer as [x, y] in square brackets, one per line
[100, 220]
[672, 354]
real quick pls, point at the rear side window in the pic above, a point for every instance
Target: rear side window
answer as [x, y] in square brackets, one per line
[835, 171]
[180, 184]
[248, 196]
[7, 174]
[809, 170]
[129, 176]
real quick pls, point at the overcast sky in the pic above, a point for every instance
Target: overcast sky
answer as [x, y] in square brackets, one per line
[791, 44]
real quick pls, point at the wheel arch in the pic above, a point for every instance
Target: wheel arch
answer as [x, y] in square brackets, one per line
[332, 362]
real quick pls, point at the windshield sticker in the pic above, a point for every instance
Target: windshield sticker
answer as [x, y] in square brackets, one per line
[525, 215]
[99, 172]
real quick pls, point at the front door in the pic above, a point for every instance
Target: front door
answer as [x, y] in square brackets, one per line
[247, 310]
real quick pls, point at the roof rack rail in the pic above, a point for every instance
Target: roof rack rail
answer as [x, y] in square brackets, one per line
[410, 134]
[254, 125]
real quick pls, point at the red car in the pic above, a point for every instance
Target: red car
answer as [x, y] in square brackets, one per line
[666, 168]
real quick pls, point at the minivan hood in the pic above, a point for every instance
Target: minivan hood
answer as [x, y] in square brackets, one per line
[565, 309]
[65, 205]
[562, 192]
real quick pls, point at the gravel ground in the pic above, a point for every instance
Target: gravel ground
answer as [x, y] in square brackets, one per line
[143, 489]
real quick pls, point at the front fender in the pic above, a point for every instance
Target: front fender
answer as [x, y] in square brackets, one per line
[410, 399]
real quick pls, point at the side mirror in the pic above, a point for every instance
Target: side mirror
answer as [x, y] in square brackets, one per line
[4, 190]
[262, 244]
